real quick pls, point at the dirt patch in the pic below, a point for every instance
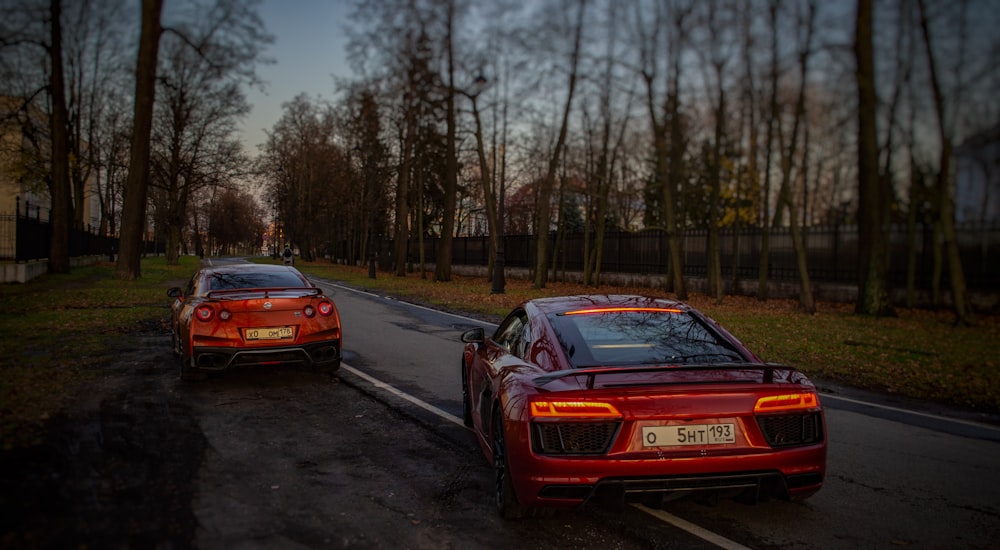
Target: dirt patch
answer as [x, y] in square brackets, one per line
[272, 458]
[114, 469]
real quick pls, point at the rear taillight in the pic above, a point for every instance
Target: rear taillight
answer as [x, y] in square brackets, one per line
[204, 313]
[225, 315]
[325, 309]
[309, 311]
[589, 409]
[786, 402]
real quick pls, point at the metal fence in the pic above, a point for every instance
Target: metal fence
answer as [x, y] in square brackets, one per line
[33, 237]
[26, 236]
[832, 253]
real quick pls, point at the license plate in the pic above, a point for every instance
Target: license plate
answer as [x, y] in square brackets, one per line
[688, 434]
[269, 333]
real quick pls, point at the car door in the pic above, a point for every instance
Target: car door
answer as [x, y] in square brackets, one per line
[506, 348]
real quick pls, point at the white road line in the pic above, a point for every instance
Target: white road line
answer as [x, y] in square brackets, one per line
[702, 533]
[403, 395]
[699, 532]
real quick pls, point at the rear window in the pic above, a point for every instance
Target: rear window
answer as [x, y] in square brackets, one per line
[653, 336]
[254, 279]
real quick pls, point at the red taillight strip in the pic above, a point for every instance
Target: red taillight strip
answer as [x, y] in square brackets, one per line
[590, 409]
[786, 402]
[621, 309]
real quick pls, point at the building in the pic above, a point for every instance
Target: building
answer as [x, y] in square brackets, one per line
[24, 165]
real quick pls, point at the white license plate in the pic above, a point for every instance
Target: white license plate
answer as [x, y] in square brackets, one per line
[688, 434]
[269, 333]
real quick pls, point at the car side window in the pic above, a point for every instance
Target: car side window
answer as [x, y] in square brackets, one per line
[524, 342]
[513, 334]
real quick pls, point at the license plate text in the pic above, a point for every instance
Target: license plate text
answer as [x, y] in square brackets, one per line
[691, 434]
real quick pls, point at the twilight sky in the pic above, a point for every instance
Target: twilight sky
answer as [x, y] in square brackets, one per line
[308, 50]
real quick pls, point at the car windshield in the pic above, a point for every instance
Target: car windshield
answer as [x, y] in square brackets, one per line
[639, 336]
[254, 279]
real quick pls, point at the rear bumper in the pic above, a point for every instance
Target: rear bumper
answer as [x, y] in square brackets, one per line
[568, 482]
[215, 358]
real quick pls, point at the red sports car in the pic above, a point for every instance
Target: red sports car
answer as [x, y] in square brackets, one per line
[253, 314]
[609, 397]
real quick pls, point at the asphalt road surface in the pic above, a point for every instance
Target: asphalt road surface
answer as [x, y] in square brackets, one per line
[377, 458]
[899, 473]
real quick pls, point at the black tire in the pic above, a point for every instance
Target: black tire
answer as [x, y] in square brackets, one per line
[188, 372]
[330, 369]
[466, 404]
[176, 342]
[506, 500]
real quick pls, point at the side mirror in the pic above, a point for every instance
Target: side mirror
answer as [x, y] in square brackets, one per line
[174, 292]
[474, 336]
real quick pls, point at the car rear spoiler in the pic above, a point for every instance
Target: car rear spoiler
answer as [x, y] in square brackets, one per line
[592, 373]
[223, 293]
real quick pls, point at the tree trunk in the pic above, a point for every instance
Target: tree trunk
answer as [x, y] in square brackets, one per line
[764, 269]
[442, 268]
[489, 191]
[714, 254]
[806, 298]
[873, 264]
[136, 182]
[403, 192]
[963, 313]
[62, 211]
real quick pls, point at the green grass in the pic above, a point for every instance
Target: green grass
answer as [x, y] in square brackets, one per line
[56, 330]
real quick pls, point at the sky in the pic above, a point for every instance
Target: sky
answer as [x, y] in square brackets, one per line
[308, 50]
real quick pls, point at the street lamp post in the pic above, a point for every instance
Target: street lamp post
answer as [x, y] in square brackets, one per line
[498, 275]
[499, 279]
[371, 243]
[372, 201]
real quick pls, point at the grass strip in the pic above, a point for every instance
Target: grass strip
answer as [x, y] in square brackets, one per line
[57, 330]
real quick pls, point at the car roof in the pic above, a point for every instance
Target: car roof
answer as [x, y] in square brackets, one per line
[560, 304]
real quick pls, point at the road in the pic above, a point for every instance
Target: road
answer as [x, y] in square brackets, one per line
[895, 477]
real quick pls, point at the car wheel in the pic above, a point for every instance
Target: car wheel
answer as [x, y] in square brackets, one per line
[177, 343]
[331, 369]
[187, 370]
[466, 404]
[506, 500]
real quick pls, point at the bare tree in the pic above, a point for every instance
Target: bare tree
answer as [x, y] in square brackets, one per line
[666, 122]
[94, 50]
[763, 269]
[61, 200]
[137, 181]
[785, 198]
[228, 31]
[718, 57]
[607, 149]
[873, 191]
[196, 118]
[547, 184]
[963, 313]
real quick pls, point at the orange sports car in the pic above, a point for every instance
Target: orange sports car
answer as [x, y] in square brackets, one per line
[253, 314]
[613, 397]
